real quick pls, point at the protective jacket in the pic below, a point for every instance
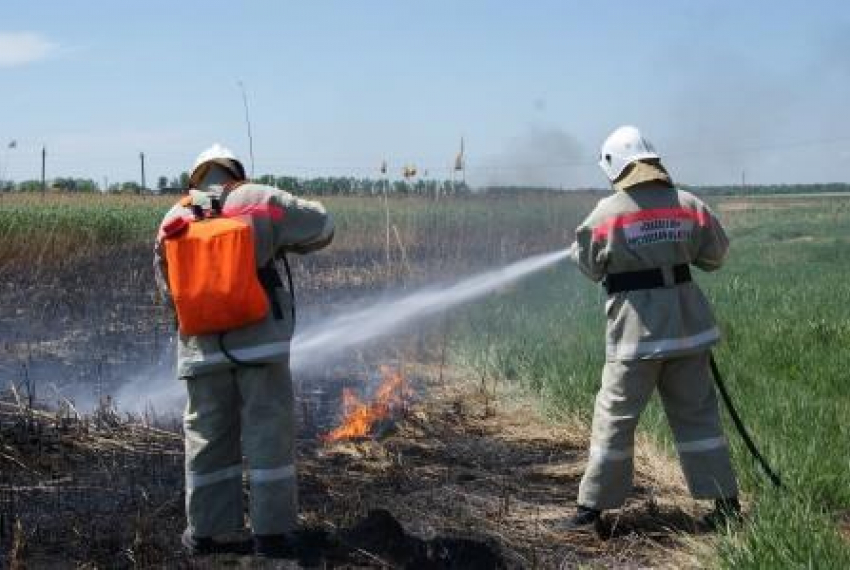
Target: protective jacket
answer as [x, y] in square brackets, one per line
[279, 220]
[648, 225]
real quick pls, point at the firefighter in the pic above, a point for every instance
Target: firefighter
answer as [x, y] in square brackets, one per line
[640, 243]
[240, 395]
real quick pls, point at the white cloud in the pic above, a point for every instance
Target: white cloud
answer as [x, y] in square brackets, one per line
[20, 48]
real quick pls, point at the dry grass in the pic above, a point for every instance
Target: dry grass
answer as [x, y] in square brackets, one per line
[778, 202]
[100, 478]
[466, 463]
[463, 462]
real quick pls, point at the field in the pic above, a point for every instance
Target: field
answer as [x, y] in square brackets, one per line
[79, 317]
[782, 303]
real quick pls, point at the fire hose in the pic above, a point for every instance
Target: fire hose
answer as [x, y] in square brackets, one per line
[739, 425]
[282, 256]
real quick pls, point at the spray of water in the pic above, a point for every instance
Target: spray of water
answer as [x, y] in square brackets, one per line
[337, 334]
[321, 341]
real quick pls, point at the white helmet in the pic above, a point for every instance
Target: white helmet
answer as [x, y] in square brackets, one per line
[623, 147]
[219, 155]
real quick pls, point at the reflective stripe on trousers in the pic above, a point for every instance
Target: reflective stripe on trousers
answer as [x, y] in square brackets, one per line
[605, 454]
[247, 411]
[195, 480]
[700, 444]
[270, 475]
[687, 393]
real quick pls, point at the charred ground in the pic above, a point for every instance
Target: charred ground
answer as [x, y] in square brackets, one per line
[464, 478]
[469, 468]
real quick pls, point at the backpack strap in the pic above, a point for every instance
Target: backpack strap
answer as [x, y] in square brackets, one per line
[270, 280]
[197, 211]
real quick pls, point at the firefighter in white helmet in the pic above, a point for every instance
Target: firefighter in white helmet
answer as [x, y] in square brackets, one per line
[640, 243]
[240, 394]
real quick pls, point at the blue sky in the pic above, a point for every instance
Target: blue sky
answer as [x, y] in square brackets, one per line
[336, 87]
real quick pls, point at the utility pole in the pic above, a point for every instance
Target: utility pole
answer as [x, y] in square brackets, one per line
[43, 161]
[142, 158]
[248, 124]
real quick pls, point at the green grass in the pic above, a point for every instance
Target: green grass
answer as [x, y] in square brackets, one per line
[783, 302]
[783, 532]
[57, 227]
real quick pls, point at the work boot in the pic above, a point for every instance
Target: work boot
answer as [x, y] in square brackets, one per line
[584, 518]
[726, 511]
[273, 546]
[203, 545]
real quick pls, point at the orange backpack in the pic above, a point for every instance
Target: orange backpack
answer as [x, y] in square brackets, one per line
[212, 273]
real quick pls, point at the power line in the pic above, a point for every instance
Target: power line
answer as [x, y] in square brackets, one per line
[489, 163]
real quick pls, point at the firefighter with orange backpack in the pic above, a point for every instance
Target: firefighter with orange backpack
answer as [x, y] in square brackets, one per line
[214, 264]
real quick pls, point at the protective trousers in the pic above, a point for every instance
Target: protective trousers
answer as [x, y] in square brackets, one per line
[687, 393]
[250, 411]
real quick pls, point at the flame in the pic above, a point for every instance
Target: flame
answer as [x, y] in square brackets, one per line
[359, 417]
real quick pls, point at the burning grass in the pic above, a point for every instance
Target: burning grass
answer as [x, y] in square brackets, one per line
[458, 462]
[466, 479]
[465, 463]
[360, 419]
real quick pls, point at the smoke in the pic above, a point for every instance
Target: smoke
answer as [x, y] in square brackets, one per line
[766, 116]
[718, 124]
[542, 156]
[156, 388]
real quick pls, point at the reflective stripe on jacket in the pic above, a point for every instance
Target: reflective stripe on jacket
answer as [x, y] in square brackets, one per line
[279, 221]
[653, 225]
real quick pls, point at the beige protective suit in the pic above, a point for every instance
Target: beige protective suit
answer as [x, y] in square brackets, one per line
[233, 410]
[655, 337]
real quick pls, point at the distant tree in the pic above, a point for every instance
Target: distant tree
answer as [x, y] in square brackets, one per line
[30, 186]
[130, 187]
[400, 188]
[753, 189]
[288, 183]
[86, 185]
[460, 188]
[162, 183]
[64, 184]
[69, 184]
